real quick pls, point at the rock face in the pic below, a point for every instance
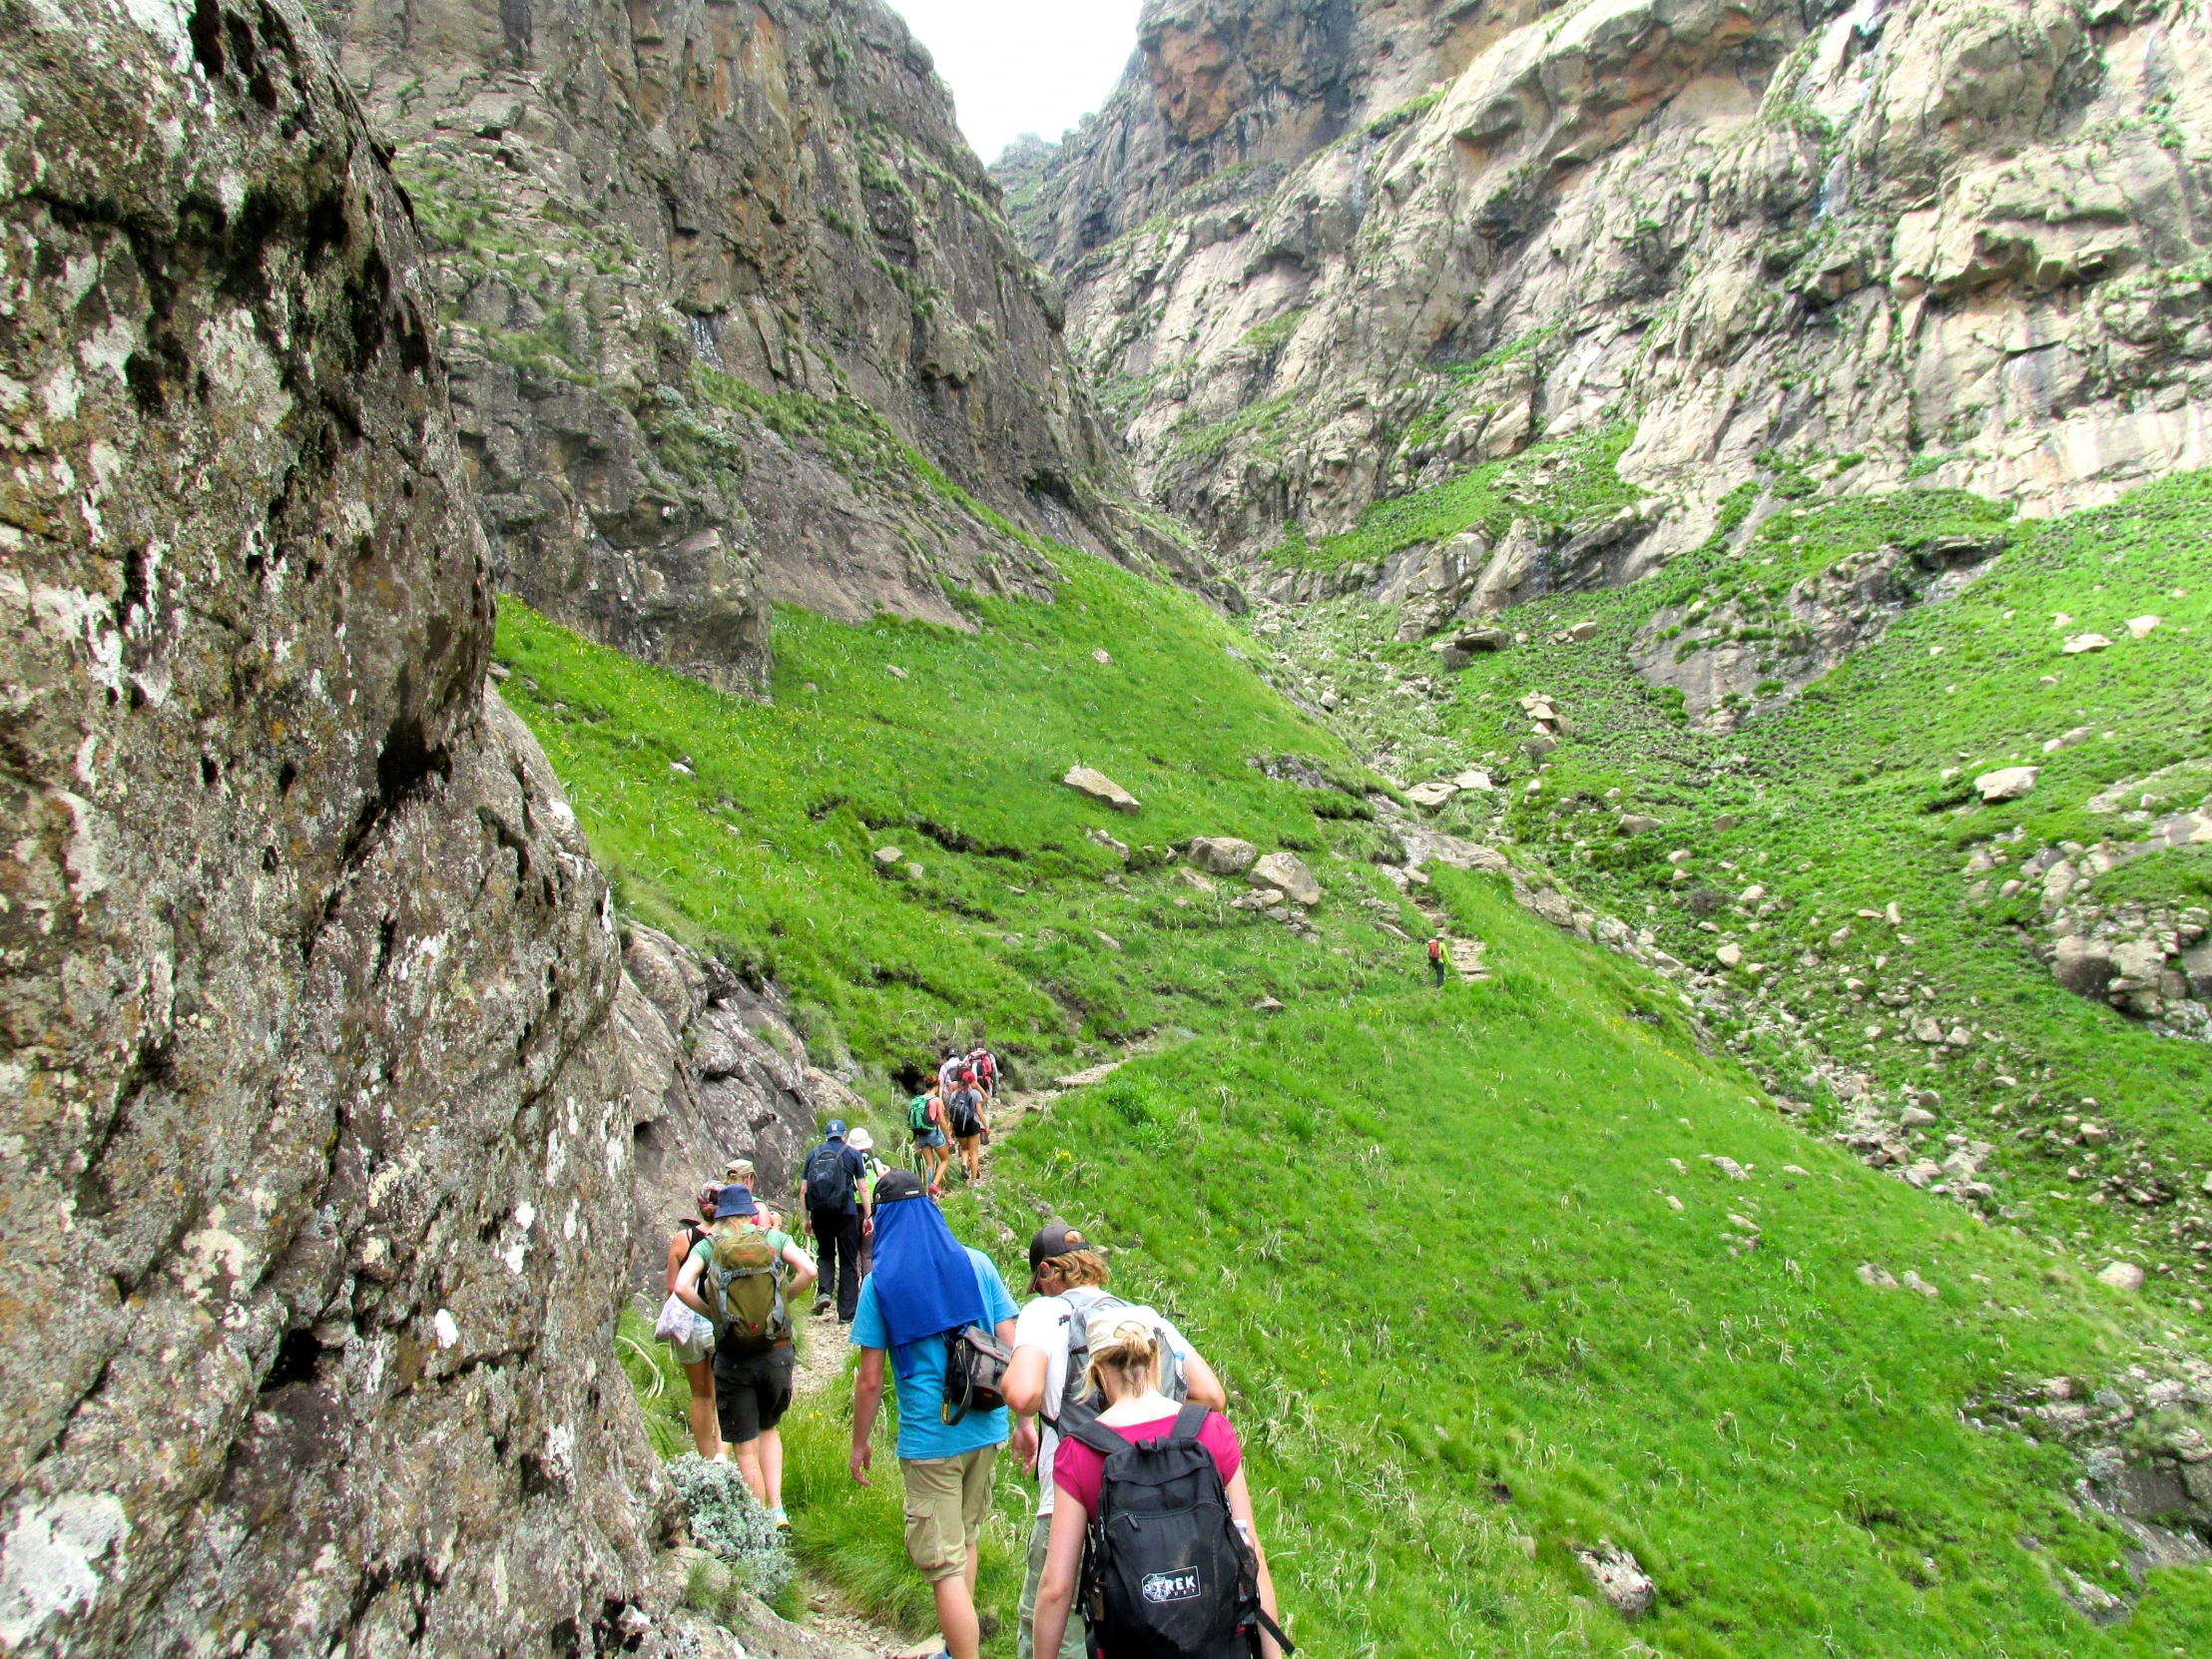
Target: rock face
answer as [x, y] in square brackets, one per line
[316, 1193]
[1752, 653]
[733, 316]
[1318, 256]
[716, 1072]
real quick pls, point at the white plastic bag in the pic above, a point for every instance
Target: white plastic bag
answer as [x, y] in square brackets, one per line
[678, 1321]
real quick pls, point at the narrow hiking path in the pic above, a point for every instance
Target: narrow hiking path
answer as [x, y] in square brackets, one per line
[832, 1615]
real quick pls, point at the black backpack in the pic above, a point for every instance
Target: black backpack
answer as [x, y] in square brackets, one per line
[828, 1178]
[1166, 1573]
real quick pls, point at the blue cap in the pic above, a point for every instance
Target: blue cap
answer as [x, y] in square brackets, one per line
[835, 1131]
[735, 1201]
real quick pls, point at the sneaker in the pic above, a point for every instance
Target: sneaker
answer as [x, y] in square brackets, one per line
[781, 1519]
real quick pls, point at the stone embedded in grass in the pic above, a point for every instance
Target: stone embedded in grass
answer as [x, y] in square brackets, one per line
[1191, 879]
[1098, 787]
[1432, 795]
[1474, 779]
[888, 859]
[1289, 872]
[1583, 632]
[2122, 1275]
[897, 673]
[2143, 625]
[1267, 1005]
[1222, 855]
[1106, 939]
[1626, 1588]
[2082, 643]
[2006, 784]
[1636, 823]
[1102, 658]
[2069, 740]
[1730, 955]
[1119, 850]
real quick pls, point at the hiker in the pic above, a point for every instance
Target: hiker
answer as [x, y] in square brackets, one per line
[693, 1340]
[971, 1129]
[1067, 1276]
[1437, 955]
[740, 1170]
[933, 1151]
[839, 1209]
[928, 1287]
[1174, 1563]
[986, 1074]
[874, 1170]
[739, 1276]
[948, 1071]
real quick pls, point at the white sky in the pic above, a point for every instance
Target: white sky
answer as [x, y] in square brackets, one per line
[1025, 66]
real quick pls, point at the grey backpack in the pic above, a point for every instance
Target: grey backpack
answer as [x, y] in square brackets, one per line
[1077, 1402]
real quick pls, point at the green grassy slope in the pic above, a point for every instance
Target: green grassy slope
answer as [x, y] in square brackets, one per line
[1839, 804]
[1426, 1235]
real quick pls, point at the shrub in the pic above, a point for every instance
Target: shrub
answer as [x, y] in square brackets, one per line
[729, 1522]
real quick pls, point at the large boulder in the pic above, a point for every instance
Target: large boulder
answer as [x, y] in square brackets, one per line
[318, 1195]
[1222, 855]
[1286, 872]
[2085, 966]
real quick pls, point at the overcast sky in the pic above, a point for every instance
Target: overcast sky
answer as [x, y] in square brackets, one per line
[1025, 66]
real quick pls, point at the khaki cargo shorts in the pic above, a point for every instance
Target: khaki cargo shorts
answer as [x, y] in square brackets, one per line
[947, 1499]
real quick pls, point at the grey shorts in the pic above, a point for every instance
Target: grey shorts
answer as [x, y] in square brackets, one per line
[929, 1140]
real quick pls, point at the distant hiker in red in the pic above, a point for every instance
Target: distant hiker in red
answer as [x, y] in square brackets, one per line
[1438, 956]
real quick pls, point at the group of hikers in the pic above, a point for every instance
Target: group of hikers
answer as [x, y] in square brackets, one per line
[1144, 1536]
[954, 1113]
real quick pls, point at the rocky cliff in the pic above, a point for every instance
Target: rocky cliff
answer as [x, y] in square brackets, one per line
[314, 1195]
[1323, 253]
[733, 317]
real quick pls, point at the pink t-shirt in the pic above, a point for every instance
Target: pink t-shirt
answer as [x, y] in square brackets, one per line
[1079, 1471]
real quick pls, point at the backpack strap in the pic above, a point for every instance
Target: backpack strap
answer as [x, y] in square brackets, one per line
[1095, 1435]
[1272, 1629]
[1188, 1423]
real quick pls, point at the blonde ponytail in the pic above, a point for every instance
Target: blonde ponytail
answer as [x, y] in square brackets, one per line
[1128, 1356]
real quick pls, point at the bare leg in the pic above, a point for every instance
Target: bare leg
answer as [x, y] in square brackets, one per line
[706, 1428]
[963, 1633]
[770, 1447]
[748, 1462]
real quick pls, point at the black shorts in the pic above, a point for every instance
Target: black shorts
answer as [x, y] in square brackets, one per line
[752, 1393]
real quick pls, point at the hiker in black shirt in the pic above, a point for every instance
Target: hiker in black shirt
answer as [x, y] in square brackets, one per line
[839, 1209]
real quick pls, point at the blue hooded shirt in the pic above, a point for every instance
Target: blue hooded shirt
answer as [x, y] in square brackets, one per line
[926, 1282]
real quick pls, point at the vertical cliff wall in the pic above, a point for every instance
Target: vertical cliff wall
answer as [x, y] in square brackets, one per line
[1321, 253]
[733, 316]
[314, 1167]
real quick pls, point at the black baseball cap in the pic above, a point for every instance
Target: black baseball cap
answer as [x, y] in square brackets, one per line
[899, 1183]
[1055, 1240]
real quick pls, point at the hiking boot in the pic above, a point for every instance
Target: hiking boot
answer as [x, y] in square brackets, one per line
[781, 1517]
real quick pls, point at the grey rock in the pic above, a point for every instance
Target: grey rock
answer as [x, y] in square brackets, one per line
[329, 1210]
[2122, 1275]
[2006, 784]
[716, 1072]
[1222, 855]
[2085, 966]
[1626, 1588]
[1287, 871]
[1087, 781]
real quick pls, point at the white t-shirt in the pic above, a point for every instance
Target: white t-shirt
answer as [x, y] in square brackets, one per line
[1044, 1323]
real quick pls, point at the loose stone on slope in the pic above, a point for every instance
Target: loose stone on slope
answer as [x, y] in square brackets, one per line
[1087, 781]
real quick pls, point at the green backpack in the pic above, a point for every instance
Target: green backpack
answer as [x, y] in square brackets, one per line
[744, 1287]
[918, 1114]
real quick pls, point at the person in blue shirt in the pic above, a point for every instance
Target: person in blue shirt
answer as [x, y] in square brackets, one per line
[926, 1284]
